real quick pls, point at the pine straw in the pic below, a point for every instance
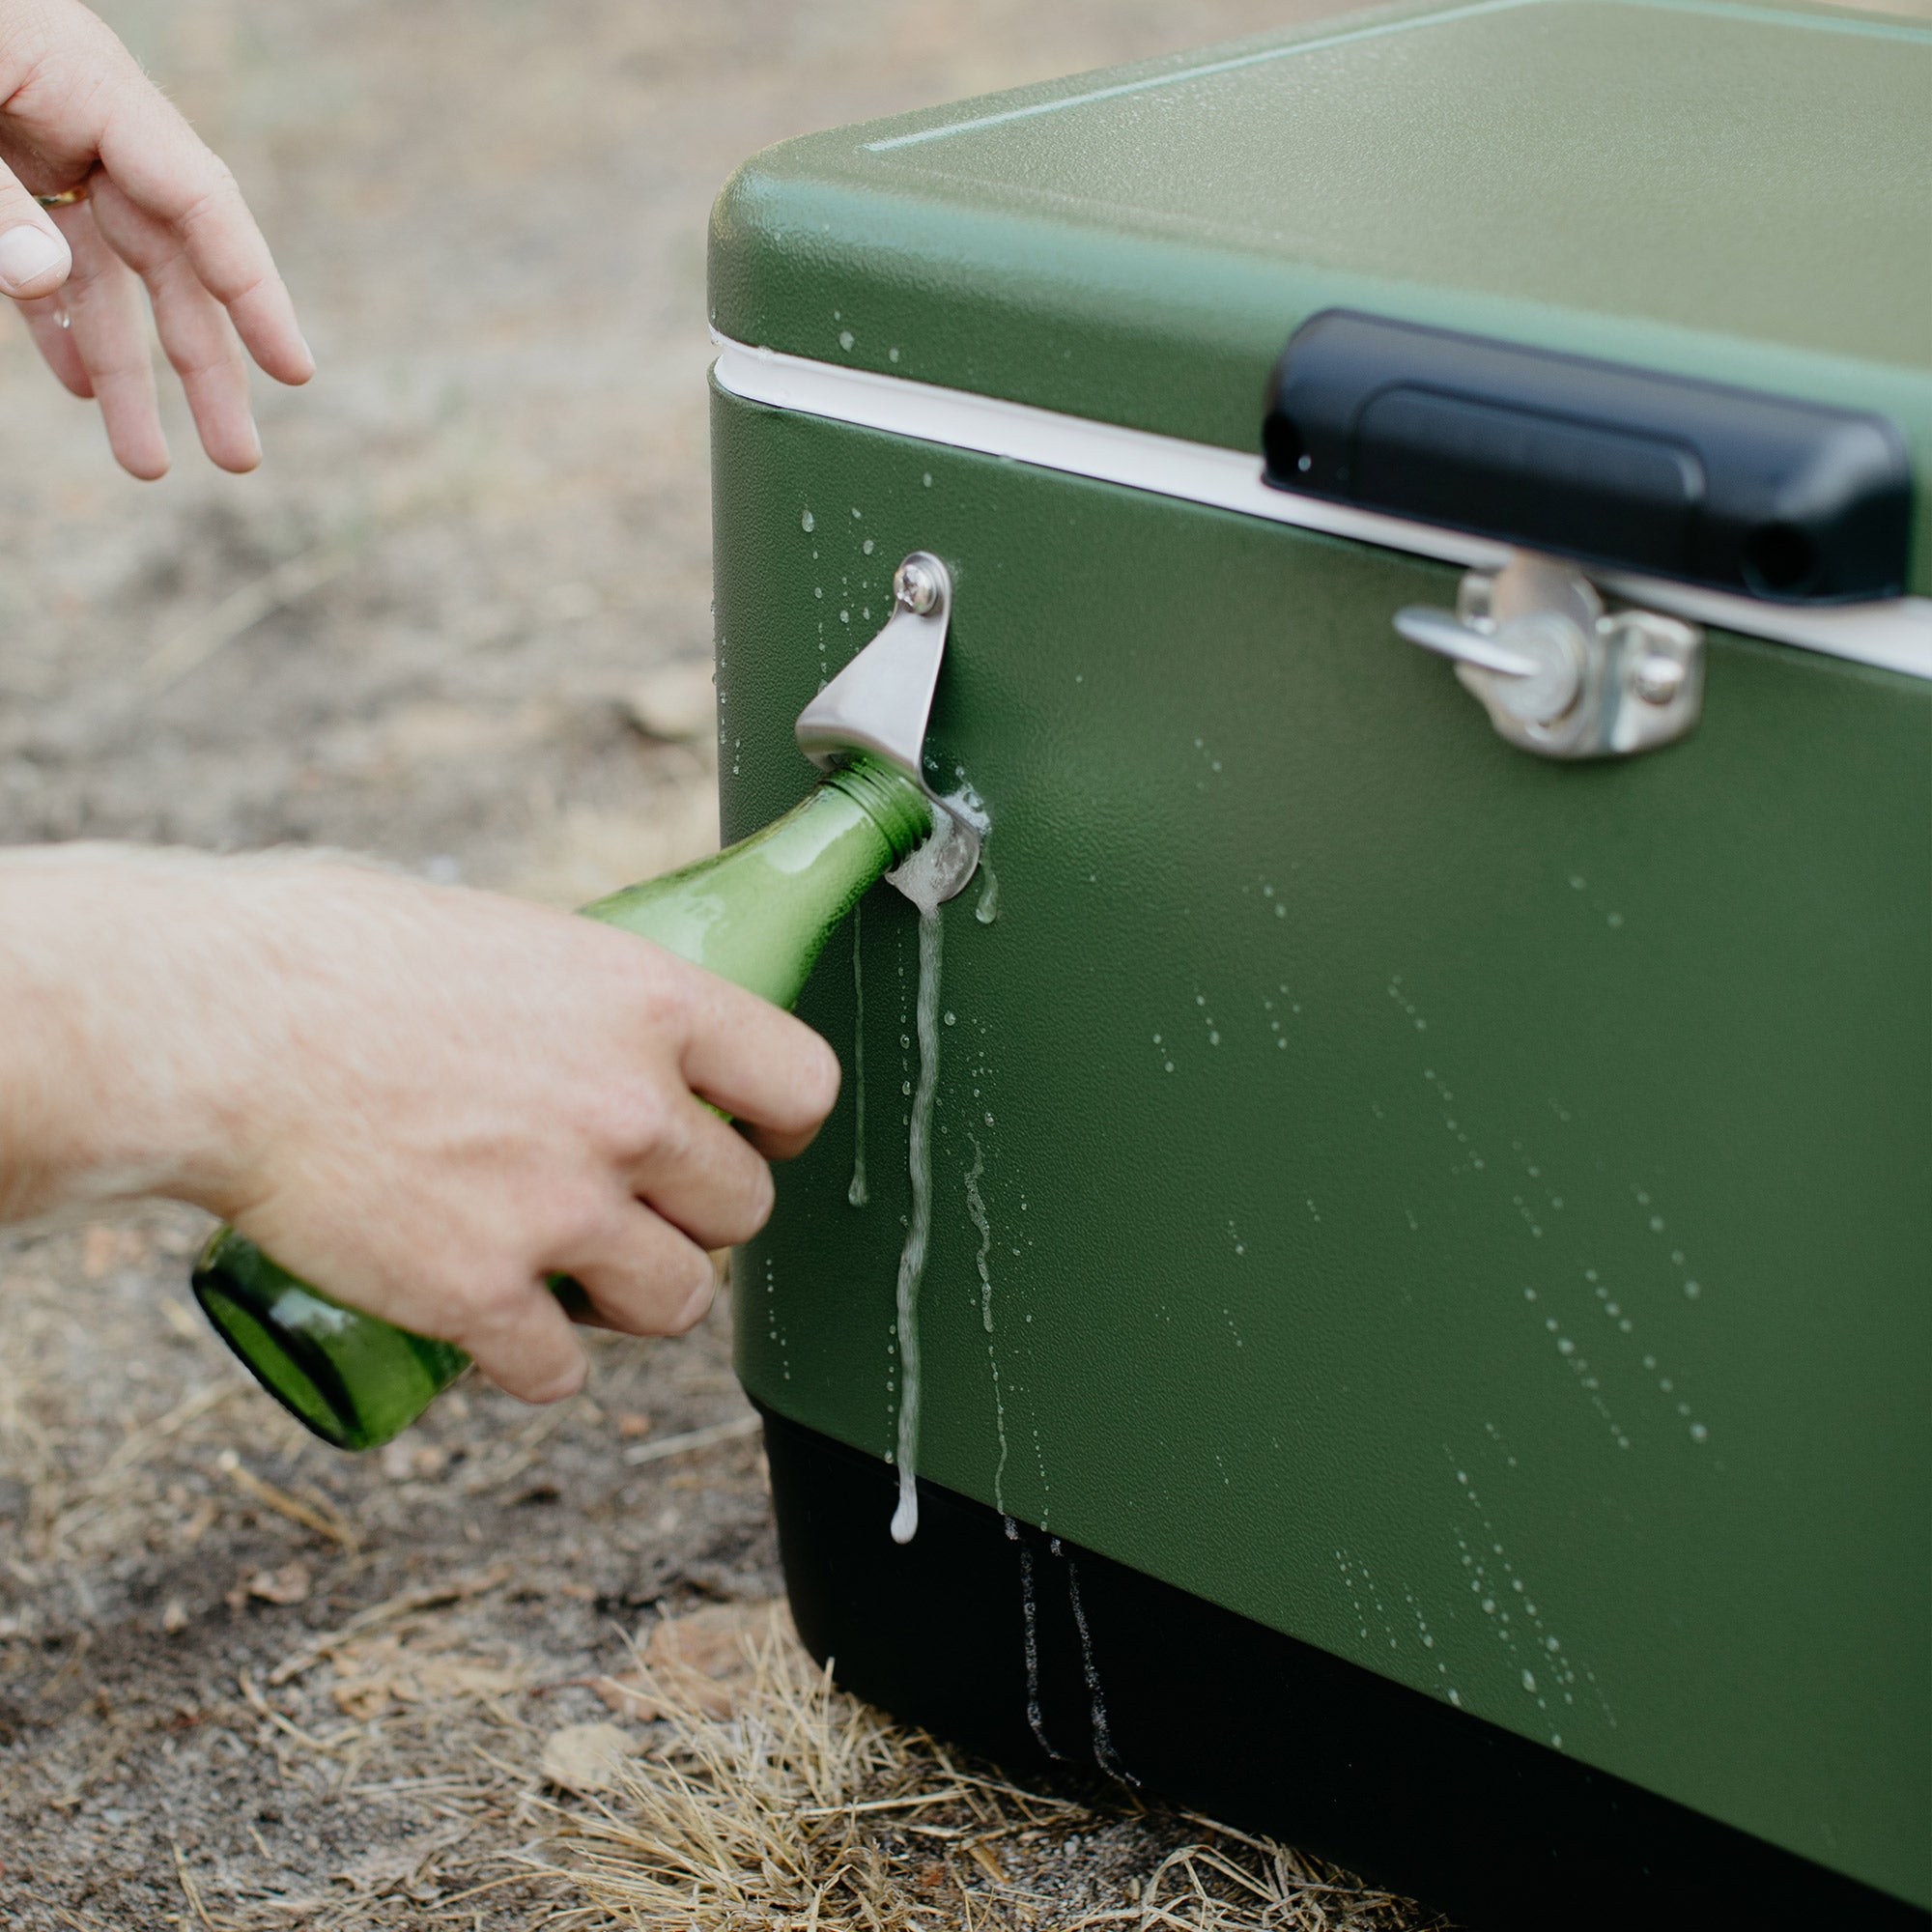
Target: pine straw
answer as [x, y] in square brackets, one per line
[810, 1812]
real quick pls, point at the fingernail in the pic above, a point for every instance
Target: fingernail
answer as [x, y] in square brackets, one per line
[26, 254]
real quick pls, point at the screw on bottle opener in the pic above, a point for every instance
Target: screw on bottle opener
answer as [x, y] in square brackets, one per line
[879, 704]
[1558, 674]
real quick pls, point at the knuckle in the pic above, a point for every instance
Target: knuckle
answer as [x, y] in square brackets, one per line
[672, 1000]
[580, 1217]
[676, 1139]
[233, 293]
[201, 364]
[215, 198]
[636, 1120]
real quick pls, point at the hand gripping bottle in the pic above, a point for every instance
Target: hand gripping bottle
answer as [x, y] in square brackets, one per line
[758, 914]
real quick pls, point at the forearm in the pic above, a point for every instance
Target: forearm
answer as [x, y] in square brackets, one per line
[424, 1100]
[110, 966]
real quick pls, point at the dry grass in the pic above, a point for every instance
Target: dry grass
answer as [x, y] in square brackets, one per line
[246, 1683]
[798, 1807]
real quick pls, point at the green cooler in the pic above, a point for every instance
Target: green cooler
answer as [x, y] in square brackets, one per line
[1423, 1346]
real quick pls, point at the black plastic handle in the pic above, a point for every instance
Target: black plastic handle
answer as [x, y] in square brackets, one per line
[1614, 465]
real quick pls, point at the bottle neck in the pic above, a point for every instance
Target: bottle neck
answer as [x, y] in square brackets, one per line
[890, 798]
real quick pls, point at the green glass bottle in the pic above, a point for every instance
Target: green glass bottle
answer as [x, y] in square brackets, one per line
[758, 914]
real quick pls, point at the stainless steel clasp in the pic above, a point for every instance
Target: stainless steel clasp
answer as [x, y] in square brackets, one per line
[1558, 673]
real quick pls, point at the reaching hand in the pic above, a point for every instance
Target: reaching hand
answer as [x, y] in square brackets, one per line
[423, 1099]
[78, 116]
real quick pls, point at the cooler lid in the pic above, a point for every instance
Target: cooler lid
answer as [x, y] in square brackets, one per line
[1740, 195]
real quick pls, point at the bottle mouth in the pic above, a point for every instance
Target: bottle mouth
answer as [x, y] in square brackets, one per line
[893, 800]
[939, 868]
[934, 841]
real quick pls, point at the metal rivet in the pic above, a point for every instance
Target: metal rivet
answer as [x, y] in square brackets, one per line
[916, 586]
[1657, 679]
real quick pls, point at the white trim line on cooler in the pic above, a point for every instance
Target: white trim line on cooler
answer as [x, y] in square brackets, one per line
[1893, 635]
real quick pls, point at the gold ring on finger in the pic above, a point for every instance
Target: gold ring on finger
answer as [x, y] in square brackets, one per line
[67, 198]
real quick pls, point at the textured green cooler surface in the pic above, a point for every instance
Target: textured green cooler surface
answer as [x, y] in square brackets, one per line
[1469, 1212]
[1736, 193]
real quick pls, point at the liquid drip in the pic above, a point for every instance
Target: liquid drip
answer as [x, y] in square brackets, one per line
[986, 908]
[975, 1209]
[912, 1258]
[975, 1212]
[1029, 1610]
[1104, 1754]
[856, 1193]
[926, 878]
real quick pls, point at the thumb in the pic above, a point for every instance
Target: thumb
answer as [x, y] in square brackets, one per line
[34, 257]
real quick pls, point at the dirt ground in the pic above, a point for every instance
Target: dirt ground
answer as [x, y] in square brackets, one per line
[243, 1681]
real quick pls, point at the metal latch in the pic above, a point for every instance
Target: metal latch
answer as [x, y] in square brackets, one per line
[1558, 674]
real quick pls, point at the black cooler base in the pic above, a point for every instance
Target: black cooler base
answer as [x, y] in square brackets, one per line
[1227, 1717]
